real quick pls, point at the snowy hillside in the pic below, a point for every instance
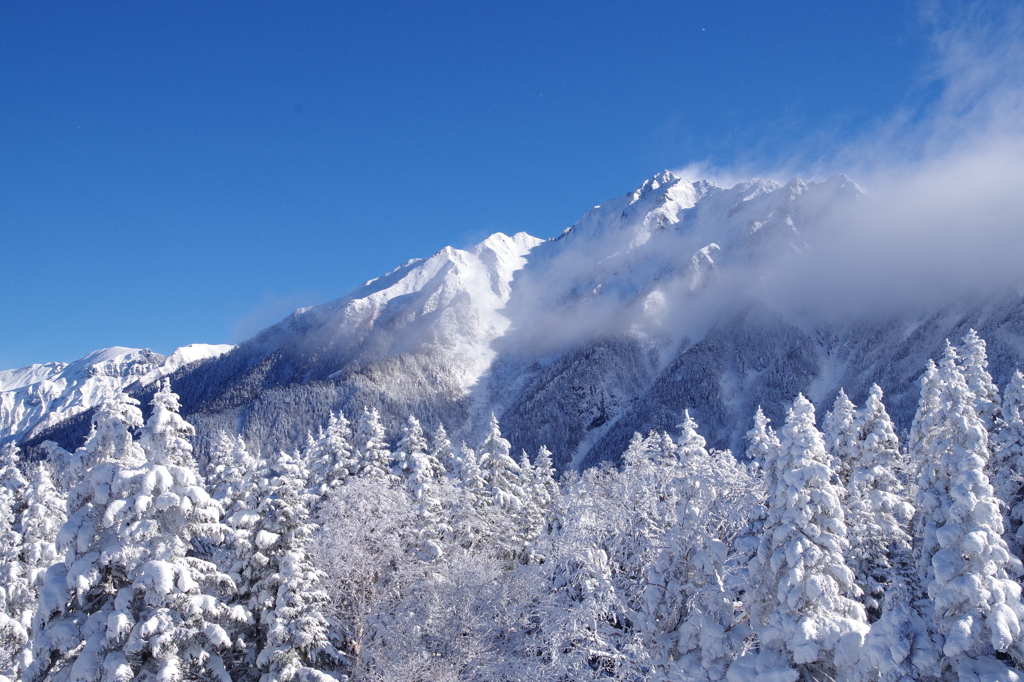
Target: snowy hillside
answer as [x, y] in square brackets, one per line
[677, 295]
[36, 397]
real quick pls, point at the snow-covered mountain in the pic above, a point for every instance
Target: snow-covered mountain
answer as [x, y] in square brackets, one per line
[670, 297]
[35, 398]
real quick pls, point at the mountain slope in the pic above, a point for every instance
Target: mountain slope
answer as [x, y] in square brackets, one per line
[678, 295]
[33, 399]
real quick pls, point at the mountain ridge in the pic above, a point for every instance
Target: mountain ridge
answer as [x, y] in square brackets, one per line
[663, 299]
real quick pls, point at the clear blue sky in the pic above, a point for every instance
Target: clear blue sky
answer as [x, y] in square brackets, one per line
[179, 172]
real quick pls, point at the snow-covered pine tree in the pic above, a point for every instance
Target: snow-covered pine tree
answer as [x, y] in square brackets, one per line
[763, 447]
[60, 461]
[373, 458]
[965, 562]
[532, 516]
[690, 444]
[689, 615]
[240, 480]
[441, 449]
[505, 495]
[228, 471]
[413, 462]
[1006, 468]
[500, 471]
[803, 606]
[13, 633]
[922, 429]
[11, 476]
[78, 594]
[471, 476]
[287, 601]
[422, 473]
[877, 511]
[334, 455]
[15, 596]
[545, 504]
[837, 428]
[974, 365]
[41, 520]
[128, 593]
[546, 490]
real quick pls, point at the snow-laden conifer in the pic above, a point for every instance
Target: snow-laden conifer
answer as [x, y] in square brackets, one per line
[13, 633]
[840, 436]
[332, 456]
[922, 429]
[974, 365]
[287, 601]
[546, 490]
[965, 562]
[11, 475]
[128, 593]
[422, 473]
[373, 458]
[532, 515]
[41, 519]
[470, 475]
[413, 462]
[898, 648]
[877, 513]
[689, 444]
[228, 472]
[803, 607]
[441, 449]
[763, 447]
[499, 469]
[1007, 463]
[44, 514]
[689, 616]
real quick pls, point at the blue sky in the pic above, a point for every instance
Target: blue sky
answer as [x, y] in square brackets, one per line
[188, 172]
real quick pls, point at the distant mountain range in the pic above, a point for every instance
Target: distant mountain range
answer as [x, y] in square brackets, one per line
[650, 304]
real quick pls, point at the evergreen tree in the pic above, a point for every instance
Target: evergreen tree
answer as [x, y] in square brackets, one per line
[965, 562]
[422, 473]
[128, 593]
[15, 595]
[974, 365]
[532, 514]
[499, 469]
[373, 458]
[11, 476]
[803, 607]
[332, 456]
[471, 476]
[13, 633]
[287, 601]
[840, 436]
[877, 512]
[41, 520]
[229, 469]
[412, 461]
[546, 490]
[1007, 463]
[763, 447]
[690, 444]
[898, 648]
[690, 620]
[441, 449]
[923, 429]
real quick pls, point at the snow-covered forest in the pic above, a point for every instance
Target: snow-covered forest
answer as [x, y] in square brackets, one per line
[831, 549]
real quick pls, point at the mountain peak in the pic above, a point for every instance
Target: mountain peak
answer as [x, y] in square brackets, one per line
[657, 181]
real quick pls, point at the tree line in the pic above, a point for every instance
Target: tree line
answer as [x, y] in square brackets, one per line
[831, 553]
